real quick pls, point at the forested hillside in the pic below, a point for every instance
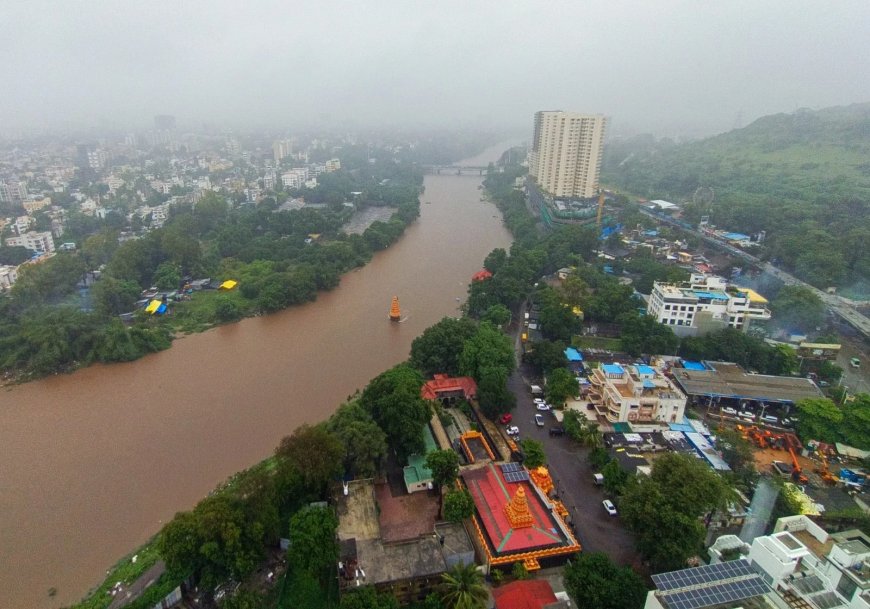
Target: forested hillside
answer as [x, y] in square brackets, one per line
[802, 177]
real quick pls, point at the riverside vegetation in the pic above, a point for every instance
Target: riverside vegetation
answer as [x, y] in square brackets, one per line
[46, 327]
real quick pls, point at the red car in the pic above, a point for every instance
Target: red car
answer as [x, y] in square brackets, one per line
[506, 418]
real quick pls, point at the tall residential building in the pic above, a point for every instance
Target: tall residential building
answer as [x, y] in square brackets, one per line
[566, 153]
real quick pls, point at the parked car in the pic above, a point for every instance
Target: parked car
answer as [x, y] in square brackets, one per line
[598, 479]
[539, 401]
[749, 416]
[609, 507]
[506, 418]
[539, 420]
[729, 410]
[789, 421]
[543, 407]
[512, 430]
[557, 431]
[769, 418]
[855, 362]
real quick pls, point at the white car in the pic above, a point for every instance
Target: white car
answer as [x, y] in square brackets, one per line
[543, 407]
[512, 430]
[729, 410]
[539, 401]
[609, 507]
[539, 420]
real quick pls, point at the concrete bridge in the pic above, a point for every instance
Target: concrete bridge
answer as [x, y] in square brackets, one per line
[459, 169]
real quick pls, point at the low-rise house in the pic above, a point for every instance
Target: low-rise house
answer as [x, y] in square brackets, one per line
[635, 394]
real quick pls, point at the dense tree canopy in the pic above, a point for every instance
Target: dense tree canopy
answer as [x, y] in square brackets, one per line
[593, 580]
[364, 443]
[313, 452]
[437, 350]
[393, 400]
[798, 308]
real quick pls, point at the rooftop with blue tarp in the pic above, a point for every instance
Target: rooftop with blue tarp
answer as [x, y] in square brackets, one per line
[736, 237]
[689, 365]
[648, 384]
[644, 370]
[683, 427]
[613, 369]
[573, 355]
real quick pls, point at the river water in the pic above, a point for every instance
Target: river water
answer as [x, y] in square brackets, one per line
[94, 462]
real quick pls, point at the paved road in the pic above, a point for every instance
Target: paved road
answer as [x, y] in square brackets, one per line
[596, 531]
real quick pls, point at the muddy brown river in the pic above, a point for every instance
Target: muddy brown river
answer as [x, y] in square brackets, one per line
[94, 462]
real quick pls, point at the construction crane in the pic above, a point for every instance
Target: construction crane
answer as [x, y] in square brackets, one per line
[797, 473]
[600, 209]
[824, 471]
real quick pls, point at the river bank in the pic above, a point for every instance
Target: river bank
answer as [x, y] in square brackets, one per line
[97, 460]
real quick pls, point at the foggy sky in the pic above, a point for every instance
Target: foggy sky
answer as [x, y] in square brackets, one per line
[667, 66]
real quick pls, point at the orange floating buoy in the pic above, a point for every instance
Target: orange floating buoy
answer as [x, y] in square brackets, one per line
[395, 313]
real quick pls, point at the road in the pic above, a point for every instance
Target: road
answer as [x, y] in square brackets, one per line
[835, 303]
[596, 531]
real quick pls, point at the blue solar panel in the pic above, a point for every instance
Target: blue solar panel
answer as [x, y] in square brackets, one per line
[510, 467]
[717, 594]
[517, 476]
[702, 575]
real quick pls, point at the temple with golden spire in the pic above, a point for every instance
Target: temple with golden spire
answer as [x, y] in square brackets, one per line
[517, 510]
[395, 313]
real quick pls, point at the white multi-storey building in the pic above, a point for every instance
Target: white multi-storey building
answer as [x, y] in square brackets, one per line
[13, 191]
[295, 178]
[636, 394]
[705, 303]
[8, 275]
[39, 242]
[565, 158]
[333, 165]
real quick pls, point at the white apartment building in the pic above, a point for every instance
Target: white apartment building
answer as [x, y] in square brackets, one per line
[333, 165]
[39, 242]
[811, 569]
[635, 394]
[565, 158]
[295, 178]
[705, 303]
[22, 224]
[281, 149]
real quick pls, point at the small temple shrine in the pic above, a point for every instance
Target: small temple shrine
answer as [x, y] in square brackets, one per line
[395, 312]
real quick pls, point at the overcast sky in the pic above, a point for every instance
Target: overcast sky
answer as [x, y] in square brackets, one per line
[665, 66]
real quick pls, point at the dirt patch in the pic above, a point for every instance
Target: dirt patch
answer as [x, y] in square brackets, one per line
[406, 516]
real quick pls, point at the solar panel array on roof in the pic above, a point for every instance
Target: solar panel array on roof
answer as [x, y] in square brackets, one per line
[705, 574]
[517, 476]
[510, 467]
[715, 595]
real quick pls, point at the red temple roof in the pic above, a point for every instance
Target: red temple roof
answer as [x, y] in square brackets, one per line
[432, 390]
[491, 492]
[481, 275]
[524, 594]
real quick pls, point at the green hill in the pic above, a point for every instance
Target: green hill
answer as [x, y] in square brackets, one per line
[802, 177]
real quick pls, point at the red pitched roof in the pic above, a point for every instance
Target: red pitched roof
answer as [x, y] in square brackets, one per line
[444, 384]
[524, 594]
[481, 275]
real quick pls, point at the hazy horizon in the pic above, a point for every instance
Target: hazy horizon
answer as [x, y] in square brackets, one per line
[670, 67]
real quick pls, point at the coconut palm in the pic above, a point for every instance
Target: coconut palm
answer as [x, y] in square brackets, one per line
[463, 588]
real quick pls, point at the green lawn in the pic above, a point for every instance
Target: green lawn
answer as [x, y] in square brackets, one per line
[596, 342]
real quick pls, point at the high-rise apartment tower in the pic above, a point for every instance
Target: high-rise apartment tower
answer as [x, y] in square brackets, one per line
[566, 153]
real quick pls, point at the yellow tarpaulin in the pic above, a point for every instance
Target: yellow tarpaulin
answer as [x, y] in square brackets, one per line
[229, 284]
[153, 306]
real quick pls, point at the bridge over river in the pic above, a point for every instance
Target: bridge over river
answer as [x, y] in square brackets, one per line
[459, 169]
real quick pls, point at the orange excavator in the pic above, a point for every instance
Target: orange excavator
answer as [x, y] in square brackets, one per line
[824, 471]
[797, 473]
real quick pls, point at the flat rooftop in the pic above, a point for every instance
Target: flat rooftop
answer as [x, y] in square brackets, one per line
[727, 379]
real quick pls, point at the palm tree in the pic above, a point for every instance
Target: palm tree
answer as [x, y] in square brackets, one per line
[464, 588]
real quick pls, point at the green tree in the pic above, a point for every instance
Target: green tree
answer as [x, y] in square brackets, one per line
[561, 385]
[313, 452]
[641, 334]
[463, 588]
[437, 350]
[593, 580]
[365, 444]
[244, 599]
[737, 453]
[167, 276]
[798, 307]
[313, 547]
[493, 394]
[444, 465]
[498, 315]
[114, 296]
[615, 478]
[533, 453]
[819, 419]
[547, 355]
[226, 309]
[488, 347]
[366, 597]
[393, 400]
[855, 430]
[458, 505]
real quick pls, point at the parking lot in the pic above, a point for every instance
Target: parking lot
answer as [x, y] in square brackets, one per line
[595, 529]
